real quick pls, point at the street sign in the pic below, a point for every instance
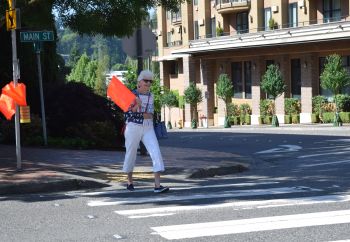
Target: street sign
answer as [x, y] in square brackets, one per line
[149, 42]
[35, 36]
[11, 19]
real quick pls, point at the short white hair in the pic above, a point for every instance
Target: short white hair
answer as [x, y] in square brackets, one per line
[145, 75]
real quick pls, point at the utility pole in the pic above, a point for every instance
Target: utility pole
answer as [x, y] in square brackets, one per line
[143, 150]
[15, 74]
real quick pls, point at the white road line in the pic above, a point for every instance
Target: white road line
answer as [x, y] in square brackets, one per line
[241, 205]
[252, 225]
[152, 215]
[285, 148]
[226, 194]
[246, 184]
[322, 154]
[326, 163]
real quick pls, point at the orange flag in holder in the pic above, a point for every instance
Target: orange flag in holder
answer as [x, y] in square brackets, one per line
[120, 94]
[18, 93]
[7, 106]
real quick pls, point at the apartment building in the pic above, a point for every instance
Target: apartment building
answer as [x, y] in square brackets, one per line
[206, 38]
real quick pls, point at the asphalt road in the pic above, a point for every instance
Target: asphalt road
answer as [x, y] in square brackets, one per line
[297, 189]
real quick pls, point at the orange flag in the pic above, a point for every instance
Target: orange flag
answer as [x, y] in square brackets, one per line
[7, 106]
[120, 94]
[18, 93]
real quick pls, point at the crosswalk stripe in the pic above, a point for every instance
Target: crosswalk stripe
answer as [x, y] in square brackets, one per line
[229, 194]
[238, 205]
[252, 225]
[246, 184]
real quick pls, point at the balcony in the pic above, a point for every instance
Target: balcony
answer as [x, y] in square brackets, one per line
[174, 43]
[231, 6]
[306, 32]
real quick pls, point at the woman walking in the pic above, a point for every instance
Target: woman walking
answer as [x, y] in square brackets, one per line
[139, 127]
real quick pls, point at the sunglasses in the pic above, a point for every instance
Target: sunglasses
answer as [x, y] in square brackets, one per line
[150, 81]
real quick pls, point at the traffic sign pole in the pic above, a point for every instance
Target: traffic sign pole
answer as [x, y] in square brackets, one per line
[15, 70]
[37, 47]
[37, 37]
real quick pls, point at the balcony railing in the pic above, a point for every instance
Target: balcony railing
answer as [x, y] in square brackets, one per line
[224, 6]
[174, 43]
[310, 31]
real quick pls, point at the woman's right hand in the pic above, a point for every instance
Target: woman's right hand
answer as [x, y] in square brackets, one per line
[136, 105]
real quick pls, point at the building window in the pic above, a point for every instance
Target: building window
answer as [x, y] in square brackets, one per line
[331, 11]
[296, 78]
[195, 2]
[168, 40]
[213, 27]
[269, 62]
[242, 23]
[174, 68]
[176, 16]
[168, 15]
[293, 15]
[237, 79]
[196, 30]
[267, 17]
[248, 79]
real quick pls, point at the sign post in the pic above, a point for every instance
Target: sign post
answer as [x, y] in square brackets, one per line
[37, 37]
[11, 24]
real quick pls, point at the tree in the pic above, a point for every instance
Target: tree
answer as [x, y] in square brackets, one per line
[272, 83]
[78, 73]
[156, 89]
[224, 90]
[104, 17]
[169, 99]
[335, 77]
[193, 96]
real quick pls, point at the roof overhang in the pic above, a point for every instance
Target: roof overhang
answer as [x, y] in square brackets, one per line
[172, 57]
[307, 34]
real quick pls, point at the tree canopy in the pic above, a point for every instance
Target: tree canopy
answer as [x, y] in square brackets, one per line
[272, 82]
[334, 76]
[224, 89]
[118, 18]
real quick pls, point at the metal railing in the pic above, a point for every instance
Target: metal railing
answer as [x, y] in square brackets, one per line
[174, 43]
[220, 4]
[308, 24]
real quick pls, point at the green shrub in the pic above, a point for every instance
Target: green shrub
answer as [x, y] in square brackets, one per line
[267, 119]
[315, 118]
[328, 117]
[292, 106]
[345, 117]
[248, 120]
[72, 104]
[343, 102]
[287, 119]
[97, 134]
[234, 120]
[266, 107]
[261, 119]
[295, 118]
[232, 110]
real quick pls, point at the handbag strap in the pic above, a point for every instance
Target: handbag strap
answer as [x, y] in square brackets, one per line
[149, 94]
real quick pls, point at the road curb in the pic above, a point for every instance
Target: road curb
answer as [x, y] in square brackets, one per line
[217, 171]
[51, 186]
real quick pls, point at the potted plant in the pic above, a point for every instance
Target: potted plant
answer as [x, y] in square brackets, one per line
[272, 83]
[193, 96]
[224, 90]
[169, 99]
[335, 77]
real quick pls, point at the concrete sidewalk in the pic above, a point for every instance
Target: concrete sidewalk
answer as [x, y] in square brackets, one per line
[53, 170]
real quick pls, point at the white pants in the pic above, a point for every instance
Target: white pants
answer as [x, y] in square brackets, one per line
[134, 133]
